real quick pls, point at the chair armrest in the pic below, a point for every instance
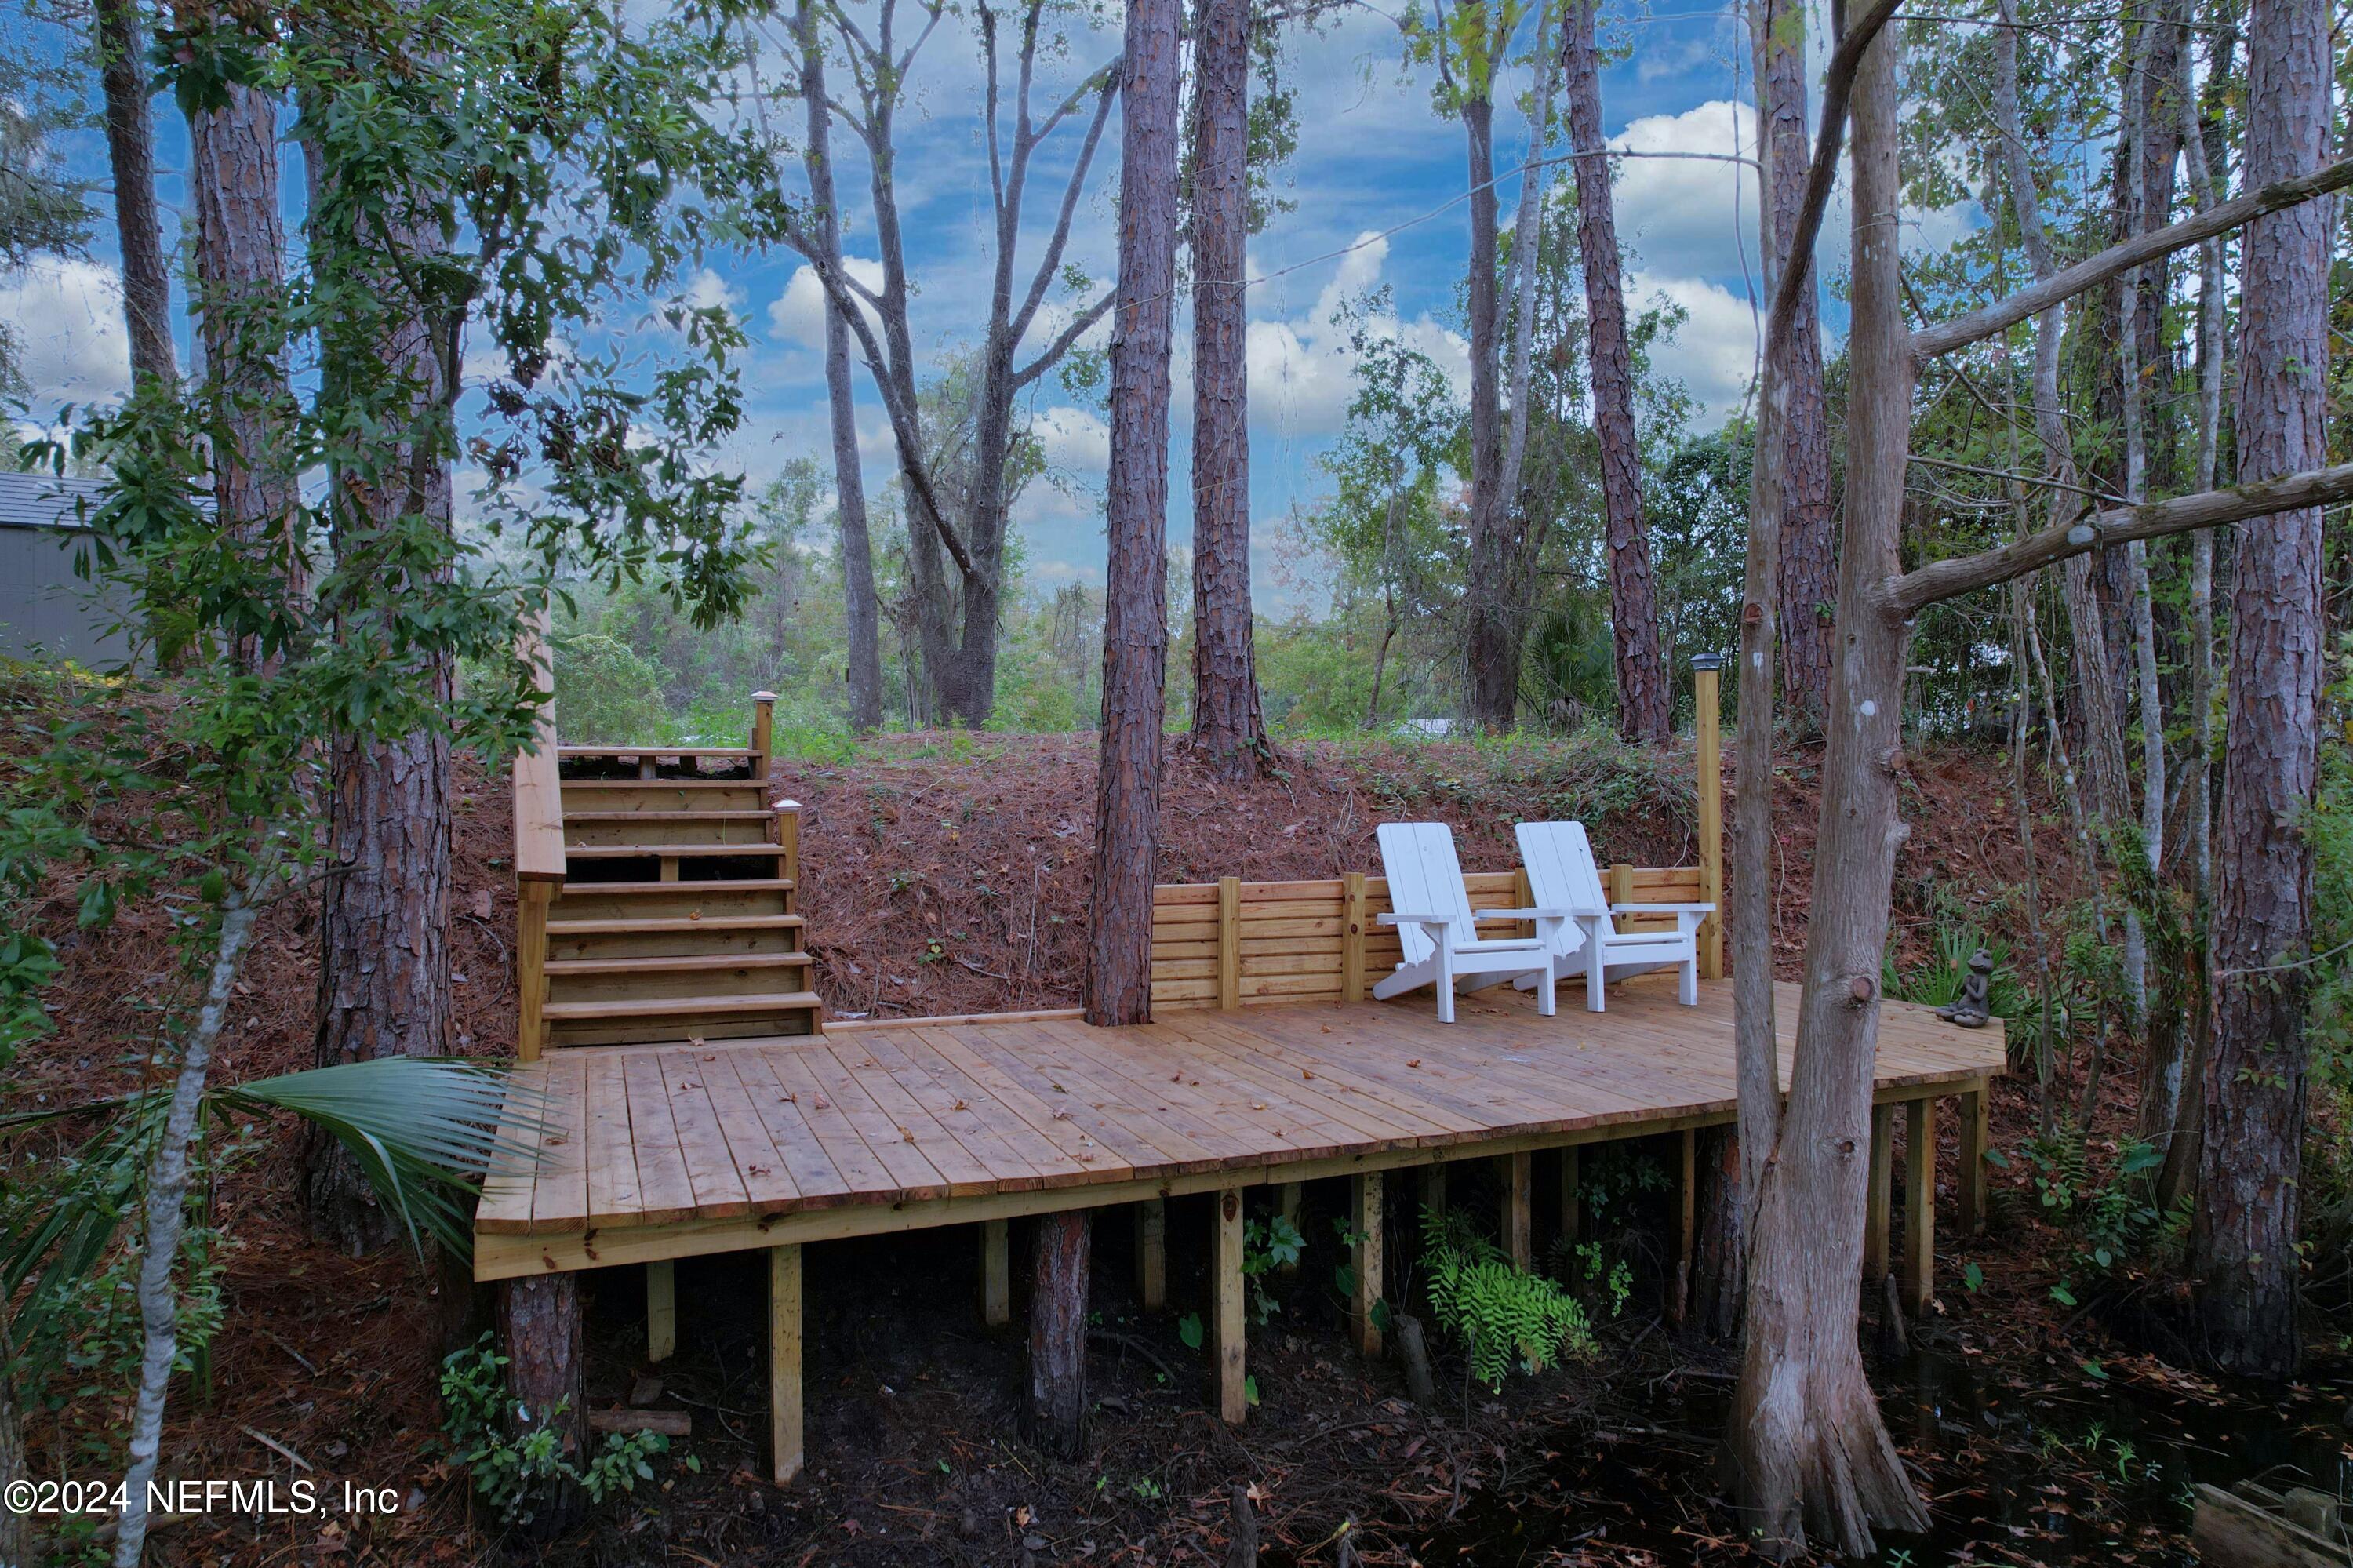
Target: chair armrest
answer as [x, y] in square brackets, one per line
[1396, 920]
[1663, 909]
[1521, 914]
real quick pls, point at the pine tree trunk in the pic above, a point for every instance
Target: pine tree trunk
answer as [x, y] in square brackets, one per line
[1645, 710]
[384, 926]
[131, 156]
[1808, 577]
[860, 610]
[1229, 724]
[240, 275]
[539, 1329]
[1493, 635]
[1057, 1413]
[1718, 1280]
[1135, 597]
[1812, 1457]
[2244, 1228]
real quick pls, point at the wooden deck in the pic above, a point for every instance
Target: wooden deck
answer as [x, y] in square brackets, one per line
[661, 1152]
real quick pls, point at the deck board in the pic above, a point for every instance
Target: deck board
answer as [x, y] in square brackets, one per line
[914, 1121]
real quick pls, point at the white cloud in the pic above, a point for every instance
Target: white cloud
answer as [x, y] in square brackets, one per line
[67, 319]
[1075, 440]
[1695, 217]
[708, 290]
[1713, 354]
[797, 315]
[1302, 371]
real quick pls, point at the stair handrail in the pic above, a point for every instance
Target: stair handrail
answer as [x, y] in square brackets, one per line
[539, 860]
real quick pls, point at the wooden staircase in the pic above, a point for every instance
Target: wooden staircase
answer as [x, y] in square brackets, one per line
[659, 894]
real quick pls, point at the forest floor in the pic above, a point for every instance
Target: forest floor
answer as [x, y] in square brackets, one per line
[948, 874]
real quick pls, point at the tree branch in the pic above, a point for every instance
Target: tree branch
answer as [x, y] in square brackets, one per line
[1052, 260]
[2123, 258]
[1062, 341]
[1908, 594]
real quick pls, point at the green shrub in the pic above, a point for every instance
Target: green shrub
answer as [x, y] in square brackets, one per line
[1505, 1316]
[519, 1473]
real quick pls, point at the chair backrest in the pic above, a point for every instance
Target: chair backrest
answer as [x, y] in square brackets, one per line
[1425, 879]
[1561, 874]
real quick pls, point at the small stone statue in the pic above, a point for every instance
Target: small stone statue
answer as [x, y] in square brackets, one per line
[1971, 1008]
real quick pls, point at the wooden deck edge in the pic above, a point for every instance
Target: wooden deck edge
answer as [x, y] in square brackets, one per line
[508, 1255]
[953, 1019]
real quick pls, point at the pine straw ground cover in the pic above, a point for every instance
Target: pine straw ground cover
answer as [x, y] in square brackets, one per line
[981, 845]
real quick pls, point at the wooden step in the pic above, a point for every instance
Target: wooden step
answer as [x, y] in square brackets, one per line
[584, 829]
[682, 964]
[652, 937]
[677, 851]
[680, 751]
[716, 898]
[621, 1021]
[663, 794]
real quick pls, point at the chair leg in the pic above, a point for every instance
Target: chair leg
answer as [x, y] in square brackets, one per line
[1594, 969]
[1445, 986]
[1544, 991]
[1687, 990]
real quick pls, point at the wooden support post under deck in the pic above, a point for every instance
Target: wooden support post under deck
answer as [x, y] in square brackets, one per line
[661, 1310]
[1976, 1139]
[995, 1272]
[1365, 1219]
[1518, 1173]
[1879, 1199]
[1352, 937]
[1288, 1196]
[1920, 1207]
[1572, 1197]
[785, 1360]
[1708, 723]
[1230, 944]
[1433, 1187]
[1152, 1253]
[532, 900]
[1225, 1288]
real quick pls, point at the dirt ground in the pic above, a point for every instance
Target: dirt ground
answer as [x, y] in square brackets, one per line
[2039, 1436]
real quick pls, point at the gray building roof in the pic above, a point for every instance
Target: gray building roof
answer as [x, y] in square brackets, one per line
[42, 500]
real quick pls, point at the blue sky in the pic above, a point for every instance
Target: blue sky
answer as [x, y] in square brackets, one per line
[1372, 157]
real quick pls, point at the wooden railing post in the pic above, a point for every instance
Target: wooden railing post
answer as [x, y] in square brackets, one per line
[785, 830]
[539, 858]
[1708, 720]
[764, 731]
[1352, 936]
[532, 902]
[1229, 943]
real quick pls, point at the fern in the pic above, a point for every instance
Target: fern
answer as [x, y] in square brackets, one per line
[1504, 1315]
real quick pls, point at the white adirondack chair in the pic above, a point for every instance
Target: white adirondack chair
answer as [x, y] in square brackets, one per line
[1562, 874]
[1440, 932]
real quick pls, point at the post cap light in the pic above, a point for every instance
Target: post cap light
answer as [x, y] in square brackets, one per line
[1707, 660]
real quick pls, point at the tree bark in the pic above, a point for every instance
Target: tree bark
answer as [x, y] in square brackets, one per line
[1228, 724]
[1808, 575]
[539, 1327]
[1135, 597]
[1810, 1452]
[1645, 712]
[2244, 1227]
[1492, 634]
[861, 609]
[2212, 349]
[1057, 1414]
[131, 158]
[240, 278]
[1718, 1280]
[384, 942]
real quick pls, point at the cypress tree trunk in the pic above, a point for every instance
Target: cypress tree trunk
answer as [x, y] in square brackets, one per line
[1644, 709]
[2244, 1229]
[538, 1327]
[1229, 724]
[1493, 637]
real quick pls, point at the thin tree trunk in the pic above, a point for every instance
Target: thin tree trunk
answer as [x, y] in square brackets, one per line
[241, 276]
[1492, 641]
[2210, 351]
[1808, 573]
[861, 609]
[1228, 724]
[166, 1211]
[2245, 1226]
[1718, 1278]
[1520, 277]
[131, 157]
[1135, 597]
[1057, 1415]
[14, 1533]
[1644, 709]
[1812, 1457]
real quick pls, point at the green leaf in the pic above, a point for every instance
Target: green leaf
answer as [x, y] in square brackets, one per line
[1972, 1277]
[2061, 1295]
[1189, 1328]
[1249, 1388]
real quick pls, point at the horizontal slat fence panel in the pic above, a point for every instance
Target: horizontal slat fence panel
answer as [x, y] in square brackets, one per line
[1245, 943]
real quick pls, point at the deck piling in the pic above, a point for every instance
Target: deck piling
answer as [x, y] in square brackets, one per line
[995, 1273]
[1920, 1206]
[1226, 1286]
[1879, 1197]
[1152, 1253]
[1365, 1219]
[661, 1310]
[1518, 1173]
[785, 1360]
